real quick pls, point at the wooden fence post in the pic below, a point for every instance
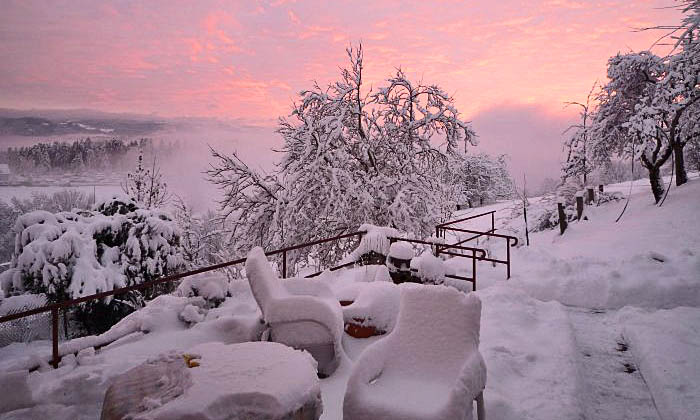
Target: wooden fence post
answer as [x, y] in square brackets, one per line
[562, 218]
[579, 207]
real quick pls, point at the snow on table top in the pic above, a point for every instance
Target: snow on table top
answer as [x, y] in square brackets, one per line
[264, 378]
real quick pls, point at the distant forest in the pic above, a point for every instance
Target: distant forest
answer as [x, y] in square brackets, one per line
[84, 155]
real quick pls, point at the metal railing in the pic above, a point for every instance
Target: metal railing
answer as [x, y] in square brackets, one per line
[438, 246]
[441, 229]
[56, 307]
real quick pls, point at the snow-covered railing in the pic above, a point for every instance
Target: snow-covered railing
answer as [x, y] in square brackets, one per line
[438, 246]
[441, 229]
[56, 307]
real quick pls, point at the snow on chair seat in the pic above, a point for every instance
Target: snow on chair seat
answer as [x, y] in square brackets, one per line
[429, 367]
[214, 381]
[301, 313]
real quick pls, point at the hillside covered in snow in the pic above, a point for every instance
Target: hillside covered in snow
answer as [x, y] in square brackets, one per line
[601, 322]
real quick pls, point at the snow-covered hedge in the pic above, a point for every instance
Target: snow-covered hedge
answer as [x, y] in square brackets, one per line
[68, 255]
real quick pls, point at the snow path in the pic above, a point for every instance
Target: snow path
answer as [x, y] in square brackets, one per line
[612, 384]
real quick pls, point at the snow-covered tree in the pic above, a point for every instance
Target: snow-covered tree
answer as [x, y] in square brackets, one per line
[202, 237]
[478, 178]
[146, 186]
[350, 156]
[577, 162]
[646, 111]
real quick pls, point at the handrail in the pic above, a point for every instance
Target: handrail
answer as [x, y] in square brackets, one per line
[510, 240]
[55, 307]
[498, 235]
[466, 218]
[442, 246]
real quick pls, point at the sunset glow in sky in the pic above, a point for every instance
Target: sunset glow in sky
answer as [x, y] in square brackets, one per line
[247, 59]
[510, 65]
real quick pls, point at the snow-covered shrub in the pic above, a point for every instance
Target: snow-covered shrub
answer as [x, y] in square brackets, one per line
[606, 197]
[568, 190]
[211, 287]
[69, 255]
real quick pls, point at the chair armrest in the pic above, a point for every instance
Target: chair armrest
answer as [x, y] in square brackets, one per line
[472, 377]
[307, 308]
[369, 366]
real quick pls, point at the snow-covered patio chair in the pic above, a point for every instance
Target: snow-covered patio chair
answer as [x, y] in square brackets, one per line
[428, 368]
[301, 313]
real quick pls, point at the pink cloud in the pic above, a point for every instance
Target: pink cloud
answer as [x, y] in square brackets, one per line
[246, 59]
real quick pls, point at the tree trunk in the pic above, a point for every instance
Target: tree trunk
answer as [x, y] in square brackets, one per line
[657, 185]
[681, 175]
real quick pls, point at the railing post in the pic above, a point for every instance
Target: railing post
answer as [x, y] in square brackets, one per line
[508, 257]
[474, 269]
[284, 264]
[493, 221]
[54, 336]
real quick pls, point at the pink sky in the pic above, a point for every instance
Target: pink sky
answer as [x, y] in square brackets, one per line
[247, 59]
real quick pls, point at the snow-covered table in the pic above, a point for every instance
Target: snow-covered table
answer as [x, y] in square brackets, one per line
[256, 380]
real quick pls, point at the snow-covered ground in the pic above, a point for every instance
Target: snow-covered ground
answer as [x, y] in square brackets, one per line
[600, 323]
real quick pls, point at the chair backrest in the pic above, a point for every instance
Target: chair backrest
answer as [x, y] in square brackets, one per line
[437, 329]
[264, 283]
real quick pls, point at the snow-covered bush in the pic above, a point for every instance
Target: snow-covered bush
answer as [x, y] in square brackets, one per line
[69, 255]
[213, 288]
[568, 190]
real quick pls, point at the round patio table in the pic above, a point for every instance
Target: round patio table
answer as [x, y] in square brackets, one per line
[256, 380]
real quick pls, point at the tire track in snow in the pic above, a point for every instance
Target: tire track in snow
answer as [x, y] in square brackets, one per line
[613, 388]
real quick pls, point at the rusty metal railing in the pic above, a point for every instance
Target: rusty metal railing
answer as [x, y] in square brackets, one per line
[56, 307]
[440, 250]
[511, 241]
